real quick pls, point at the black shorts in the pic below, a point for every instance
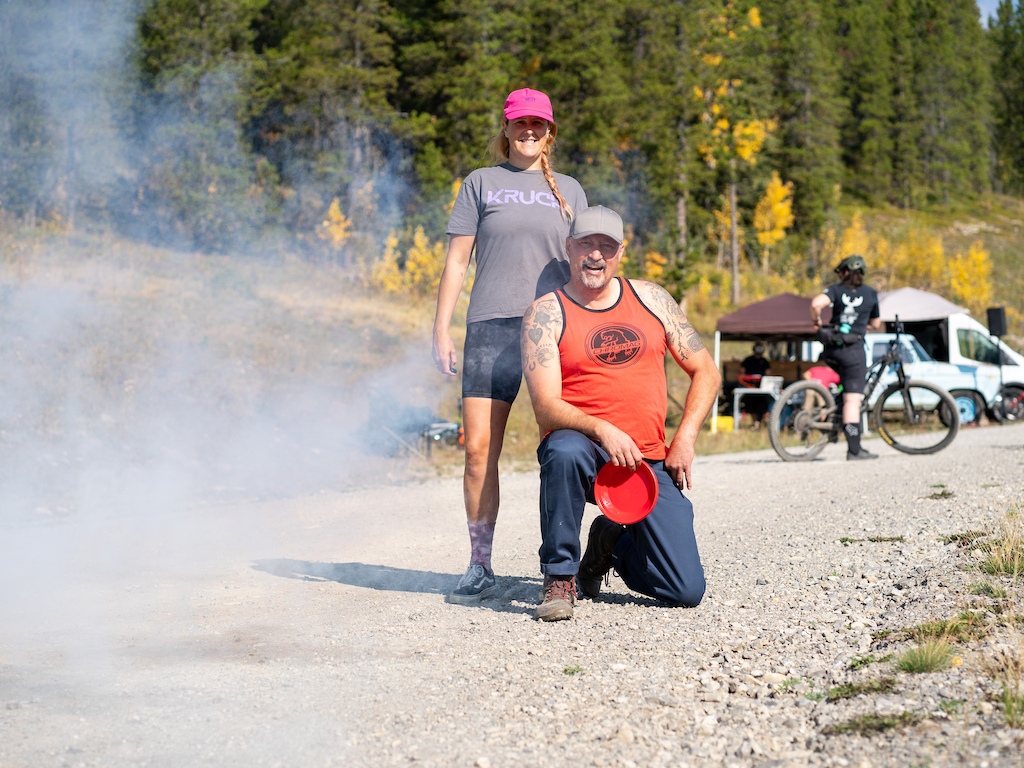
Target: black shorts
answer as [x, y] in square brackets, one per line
[491, 365]
[851, 365]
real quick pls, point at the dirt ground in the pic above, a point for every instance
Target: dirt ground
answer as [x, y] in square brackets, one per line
[314, 630]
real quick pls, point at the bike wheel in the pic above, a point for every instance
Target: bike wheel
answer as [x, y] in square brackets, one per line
[917, 418]
[796, 426]
[1010, 407]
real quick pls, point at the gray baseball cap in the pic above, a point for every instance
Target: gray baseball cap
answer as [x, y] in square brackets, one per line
[597, 220]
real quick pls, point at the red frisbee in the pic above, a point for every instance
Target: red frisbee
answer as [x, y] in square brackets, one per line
[625, 496]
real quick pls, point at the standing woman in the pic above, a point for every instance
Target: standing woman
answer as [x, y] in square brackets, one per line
[516, 214]
[854, 313]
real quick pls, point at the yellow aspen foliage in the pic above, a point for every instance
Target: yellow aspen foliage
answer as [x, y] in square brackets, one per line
[750, 136]
[456, 186]
[854, 239]
[970, 278]
[386, 275]
[719, 228]
[774, 214]
[924, 265]
[701, 294]
[418, 273]
[424, 263]
[336, 229]
[654, 266]
[754, 18]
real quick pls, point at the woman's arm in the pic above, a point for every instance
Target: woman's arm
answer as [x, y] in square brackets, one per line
[460, 251]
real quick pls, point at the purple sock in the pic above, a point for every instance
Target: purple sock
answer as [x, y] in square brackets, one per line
[481, 537]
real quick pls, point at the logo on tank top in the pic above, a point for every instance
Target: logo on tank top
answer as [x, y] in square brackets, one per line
[616, 345]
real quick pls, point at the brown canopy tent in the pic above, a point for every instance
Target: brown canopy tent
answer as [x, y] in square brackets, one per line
[786, 317]
[782, 318]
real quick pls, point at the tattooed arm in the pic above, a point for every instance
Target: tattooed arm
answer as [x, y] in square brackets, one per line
[689, 351]
[542, 366]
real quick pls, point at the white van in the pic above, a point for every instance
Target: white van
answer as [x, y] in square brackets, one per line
[961, 340]
[974, 387]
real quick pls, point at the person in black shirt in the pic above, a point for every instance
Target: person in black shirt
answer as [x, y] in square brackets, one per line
[855, 311]
[754, 367]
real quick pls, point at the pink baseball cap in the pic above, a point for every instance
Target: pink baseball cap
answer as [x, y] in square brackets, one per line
[526, 102]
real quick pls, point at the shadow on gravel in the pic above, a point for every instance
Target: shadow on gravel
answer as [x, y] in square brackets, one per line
[384, 577]
[361, 575]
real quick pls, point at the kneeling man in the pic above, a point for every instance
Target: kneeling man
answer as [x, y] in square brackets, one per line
[593, 355]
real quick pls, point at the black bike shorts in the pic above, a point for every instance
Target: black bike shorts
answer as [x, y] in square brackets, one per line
[491, 365]
[850, 363]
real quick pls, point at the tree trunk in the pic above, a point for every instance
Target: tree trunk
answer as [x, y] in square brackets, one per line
[734, 244]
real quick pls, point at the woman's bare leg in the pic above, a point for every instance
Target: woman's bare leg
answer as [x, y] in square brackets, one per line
[484, 422]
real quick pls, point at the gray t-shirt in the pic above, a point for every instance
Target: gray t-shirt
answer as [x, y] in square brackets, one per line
[520, 237]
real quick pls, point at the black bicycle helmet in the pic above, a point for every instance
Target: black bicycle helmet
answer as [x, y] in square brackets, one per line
[854, 263]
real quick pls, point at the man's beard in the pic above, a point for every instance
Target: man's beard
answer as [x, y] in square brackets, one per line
[594, 280]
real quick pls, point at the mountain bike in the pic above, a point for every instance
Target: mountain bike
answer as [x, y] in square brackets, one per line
[1010, 404]
[910, 415]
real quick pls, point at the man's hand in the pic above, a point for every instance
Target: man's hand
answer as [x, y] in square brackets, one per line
[679, 463]
[621, 450]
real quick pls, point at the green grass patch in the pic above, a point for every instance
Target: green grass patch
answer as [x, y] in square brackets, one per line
[849, 690]
[575, 669]
[950, 706]
[866, 724]
[847, 541]
[1012, 698]
[930, 656]
[965, 540]
[859, 662]
[966, 625]
[945, 493]
[1004, 556]
[985, 589]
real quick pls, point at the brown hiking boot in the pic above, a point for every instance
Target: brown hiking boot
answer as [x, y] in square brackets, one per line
[559, 598]
[597, 560]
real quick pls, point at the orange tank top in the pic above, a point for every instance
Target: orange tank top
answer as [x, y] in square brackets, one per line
[613, 366]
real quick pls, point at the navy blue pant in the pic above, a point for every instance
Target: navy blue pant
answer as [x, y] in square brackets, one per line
[656, 557]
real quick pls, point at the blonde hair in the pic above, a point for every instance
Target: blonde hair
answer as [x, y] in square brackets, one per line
[498, 147]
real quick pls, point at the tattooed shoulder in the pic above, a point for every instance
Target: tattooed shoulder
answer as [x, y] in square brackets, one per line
[682, 336]
[542, 325]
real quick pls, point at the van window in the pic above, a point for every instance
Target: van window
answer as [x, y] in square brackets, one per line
[909, 353]
[978, 346]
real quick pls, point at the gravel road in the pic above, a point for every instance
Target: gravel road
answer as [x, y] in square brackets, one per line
[313, 631]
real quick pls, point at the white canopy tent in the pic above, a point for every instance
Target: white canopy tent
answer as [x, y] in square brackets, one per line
[913, 305]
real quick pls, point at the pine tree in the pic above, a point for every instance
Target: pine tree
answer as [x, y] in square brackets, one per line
[867, 88]
[658, 162]
[199, 176]
[575, 47]
[330, 77]
[738, 111]
[806, 81]
[952, 86]
[906, 127]
[59, 67]
[1006, 33]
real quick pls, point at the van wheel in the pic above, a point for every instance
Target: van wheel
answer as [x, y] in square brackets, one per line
[970, 405]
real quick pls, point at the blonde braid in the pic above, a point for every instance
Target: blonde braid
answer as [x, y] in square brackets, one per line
[549, 176]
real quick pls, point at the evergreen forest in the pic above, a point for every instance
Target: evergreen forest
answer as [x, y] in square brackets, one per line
[734, 136]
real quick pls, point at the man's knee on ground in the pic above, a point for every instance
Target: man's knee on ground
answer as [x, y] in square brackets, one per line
[685, 595]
